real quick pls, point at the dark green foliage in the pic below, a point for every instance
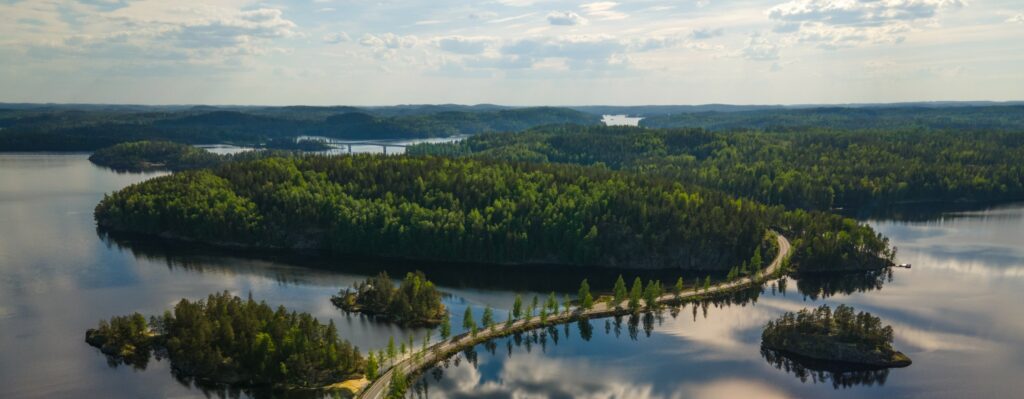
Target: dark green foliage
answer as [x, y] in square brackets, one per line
[467, 320]
[584, 296]
[446, 326]
[445, 209]
[82, 130]
[127, 338]
[415, 302]
[842, 335]
[227, 339]
[151, 155]
[635, 294]
[517, 307]
[619, 291]
[843, 325]
[899, 117]
[808, 169]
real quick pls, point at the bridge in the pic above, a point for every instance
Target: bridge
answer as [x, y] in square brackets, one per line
[384, 146]
[412, 363]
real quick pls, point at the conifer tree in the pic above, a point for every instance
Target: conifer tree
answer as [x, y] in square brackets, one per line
[585, 298]
[517, 307]
[467, 321]
[678, 289]
[487, 320]
[446, 327]
[619, 291]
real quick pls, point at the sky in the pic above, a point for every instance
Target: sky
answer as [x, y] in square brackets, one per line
[512, 52]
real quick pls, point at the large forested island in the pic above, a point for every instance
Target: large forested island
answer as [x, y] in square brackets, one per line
[475, 211]
[415, 302]
[840, 336]
[444, 209]
[229, 340]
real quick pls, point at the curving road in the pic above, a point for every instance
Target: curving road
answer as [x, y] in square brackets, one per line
[437, 352]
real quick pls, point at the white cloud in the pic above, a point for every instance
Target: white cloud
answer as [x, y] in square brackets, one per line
[859, 12]
[335, 38]
[706, 33]
[388, 41]
[759, 48]
[567, 18]
[834, 24]
[463, 44]
[1016, 19]
[603, 10]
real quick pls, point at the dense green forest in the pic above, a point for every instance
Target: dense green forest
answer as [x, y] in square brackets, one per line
[809, 170]
[842, 335]
[415, 302]
[72, 129]
[226, 339]
[444, 209]
[476, 211]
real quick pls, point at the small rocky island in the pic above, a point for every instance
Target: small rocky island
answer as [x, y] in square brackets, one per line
[841, 336]
[233, 341]
[414, 303]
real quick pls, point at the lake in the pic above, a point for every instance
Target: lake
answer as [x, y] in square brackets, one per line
[954, 313]
[620, 120]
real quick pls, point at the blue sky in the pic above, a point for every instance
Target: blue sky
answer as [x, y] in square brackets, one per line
[516, 52]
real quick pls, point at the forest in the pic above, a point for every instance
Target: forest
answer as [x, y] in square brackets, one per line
[227, 339]
[154, 155]
[470, 210]
[433, 208]
[814, 170]
[69, 128]
[415, 302]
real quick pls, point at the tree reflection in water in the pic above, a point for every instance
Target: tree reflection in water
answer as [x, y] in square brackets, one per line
[820, 372]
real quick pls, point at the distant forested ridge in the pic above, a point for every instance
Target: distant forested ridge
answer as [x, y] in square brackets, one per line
[987, 118]
[810, 170]
[91, 128]
[474, 211]
[228, 340]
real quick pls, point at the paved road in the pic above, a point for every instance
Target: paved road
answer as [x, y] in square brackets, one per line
[409, 364]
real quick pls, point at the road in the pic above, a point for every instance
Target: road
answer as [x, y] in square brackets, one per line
[433, 354]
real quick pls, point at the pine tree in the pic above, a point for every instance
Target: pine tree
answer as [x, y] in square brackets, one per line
[517, 307]
[678, 289]
[487, 320]
[635, 295]
[552, 303]
[446, 326]
[392, 351]
[755, 262]
[467, 321]
[398, 385]
[371, 367]
[565, 303]
[585, 298]
[707, 283]
[619, 291]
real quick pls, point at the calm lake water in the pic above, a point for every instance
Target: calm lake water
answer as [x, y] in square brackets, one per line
[620, 120]
[955, 313]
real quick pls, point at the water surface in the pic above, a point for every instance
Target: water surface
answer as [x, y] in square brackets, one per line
[954, 312]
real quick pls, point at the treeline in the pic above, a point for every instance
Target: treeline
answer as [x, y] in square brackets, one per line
[445, 209]
[919, 118]
[91, 129]
[415, 302]
[226, 339]
[810, 170]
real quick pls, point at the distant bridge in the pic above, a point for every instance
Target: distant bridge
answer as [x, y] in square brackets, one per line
[384, 146]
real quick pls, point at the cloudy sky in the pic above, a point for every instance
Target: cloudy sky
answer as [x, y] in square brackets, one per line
[516, 52]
